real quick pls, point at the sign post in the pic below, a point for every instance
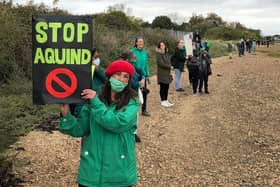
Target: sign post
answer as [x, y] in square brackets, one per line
[188, 44]
[61, 58]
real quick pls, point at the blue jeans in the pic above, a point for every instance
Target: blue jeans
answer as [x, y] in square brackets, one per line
[178, 75]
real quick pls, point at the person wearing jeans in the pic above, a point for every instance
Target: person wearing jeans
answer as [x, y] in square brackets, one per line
[178, 62]
[178, 75]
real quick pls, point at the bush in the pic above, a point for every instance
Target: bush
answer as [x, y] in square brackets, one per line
[117, 20]
[162, 22]
[18, 115]
[218, 49]
[228, 33]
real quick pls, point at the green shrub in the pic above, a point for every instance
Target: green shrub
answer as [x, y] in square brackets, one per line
[18, 115]
[218, 49]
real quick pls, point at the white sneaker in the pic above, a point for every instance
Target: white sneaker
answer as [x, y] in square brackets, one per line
[170, 104]
[164, 103]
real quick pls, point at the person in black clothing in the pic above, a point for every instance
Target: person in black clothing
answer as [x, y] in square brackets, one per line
[247, 43]
[196, 37]
[178, 62]
[242, 47]
[204, 71]
[193, 67]
[267, 43]
[259, 43]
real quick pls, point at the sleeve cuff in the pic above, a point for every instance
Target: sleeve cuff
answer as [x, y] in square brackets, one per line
[95, 102]
[66, 118]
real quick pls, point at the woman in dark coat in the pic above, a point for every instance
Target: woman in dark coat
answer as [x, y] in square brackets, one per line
[163, 73]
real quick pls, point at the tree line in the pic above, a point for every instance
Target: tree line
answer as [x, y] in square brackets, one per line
[113, 32]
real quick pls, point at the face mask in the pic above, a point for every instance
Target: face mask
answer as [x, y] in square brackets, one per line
[96, 62]
[117, 85]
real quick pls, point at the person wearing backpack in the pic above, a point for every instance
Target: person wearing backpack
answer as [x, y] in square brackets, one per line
[193, 67]
[178, 62]
[204, 71]
[230, 49]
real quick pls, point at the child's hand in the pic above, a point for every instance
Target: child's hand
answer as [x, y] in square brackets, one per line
[64, 109]
[142, 83]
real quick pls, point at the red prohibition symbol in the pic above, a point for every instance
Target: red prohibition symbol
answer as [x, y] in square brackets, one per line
[68, 90]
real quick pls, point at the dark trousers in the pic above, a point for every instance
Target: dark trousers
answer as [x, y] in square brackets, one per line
[194, 79]
[163, 91]
[203, 79]
[144, 93]
[240, 51]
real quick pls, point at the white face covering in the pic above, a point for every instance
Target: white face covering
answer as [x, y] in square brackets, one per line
[96, 62]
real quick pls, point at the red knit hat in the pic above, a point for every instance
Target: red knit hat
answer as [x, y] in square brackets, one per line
[119, 66]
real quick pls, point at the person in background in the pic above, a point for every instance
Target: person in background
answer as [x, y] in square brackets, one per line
[142, 63]
[108, 123]
[230, 49]
[267, 43]
[98, 79]
[259, 43]
[204, 71]
[193, 67]
[250, 45]
[242, 47]
[247, 43]
[164, 77]
[137, 81]
[254, 46]
[178, 62]
[239, 48]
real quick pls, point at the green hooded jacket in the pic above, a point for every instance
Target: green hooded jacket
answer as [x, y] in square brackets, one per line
[108, 154]
[141, 60]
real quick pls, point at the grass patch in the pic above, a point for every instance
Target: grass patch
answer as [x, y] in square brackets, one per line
[218, 49]
[18, 115]
[271, 52]
[274, 55]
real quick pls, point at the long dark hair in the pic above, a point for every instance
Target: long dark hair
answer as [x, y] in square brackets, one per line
[166, 49]
[122, 98]
[127, 56]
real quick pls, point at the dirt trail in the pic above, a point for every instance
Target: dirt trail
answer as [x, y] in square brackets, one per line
[227, 138]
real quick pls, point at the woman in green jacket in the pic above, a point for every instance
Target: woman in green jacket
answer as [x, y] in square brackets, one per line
[108, 122]
[142, 63]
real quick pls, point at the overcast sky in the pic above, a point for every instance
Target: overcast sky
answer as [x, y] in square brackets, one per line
[257, 14]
